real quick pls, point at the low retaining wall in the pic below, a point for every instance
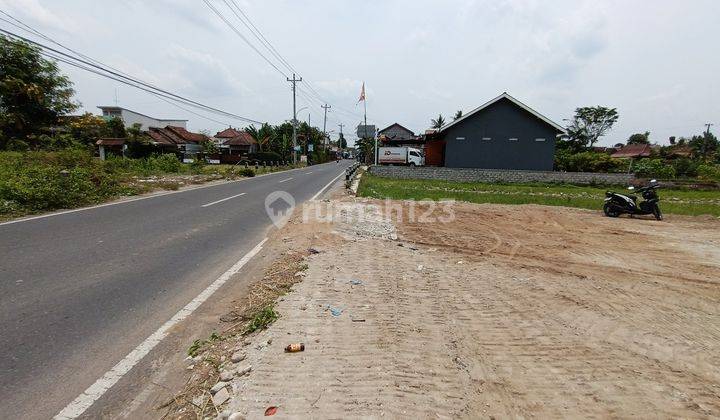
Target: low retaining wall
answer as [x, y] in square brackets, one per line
[499, 175]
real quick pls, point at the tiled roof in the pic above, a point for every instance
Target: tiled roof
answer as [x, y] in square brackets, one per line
[228, 133]
[186, 135]
[243, 138]
[633, 150]
[175, 135]
[110, 142]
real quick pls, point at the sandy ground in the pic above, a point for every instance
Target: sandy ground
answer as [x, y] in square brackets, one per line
[501, 312]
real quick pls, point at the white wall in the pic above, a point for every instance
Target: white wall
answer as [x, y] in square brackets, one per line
[131, 118]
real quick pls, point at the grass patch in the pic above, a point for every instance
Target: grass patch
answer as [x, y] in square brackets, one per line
[685, 202]
[197, 345]
[261, 320]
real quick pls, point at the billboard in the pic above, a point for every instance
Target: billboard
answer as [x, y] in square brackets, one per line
[366, 131]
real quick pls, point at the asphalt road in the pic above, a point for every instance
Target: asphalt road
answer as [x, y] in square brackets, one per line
[80, 290]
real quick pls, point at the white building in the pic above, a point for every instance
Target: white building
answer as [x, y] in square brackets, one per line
[131, 117]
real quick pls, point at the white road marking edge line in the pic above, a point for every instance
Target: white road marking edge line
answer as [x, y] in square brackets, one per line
[326, 187]
[224, 199]
[111, 377]
[160, 194]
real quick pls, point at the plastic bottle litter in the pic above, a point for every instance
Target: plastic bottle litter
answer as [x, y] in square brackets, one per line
[295, 348]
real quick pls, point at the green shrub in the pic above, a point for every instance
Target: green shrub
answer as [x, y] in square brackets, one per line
[685, 167]
[654, 168]
[709, 172]
[248, 172]
[588, 161]
[166, 163]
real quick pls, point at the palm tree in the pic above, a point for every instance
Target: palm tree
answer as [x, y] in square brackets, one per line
[438, 122]
[262, 136]
[458, 115]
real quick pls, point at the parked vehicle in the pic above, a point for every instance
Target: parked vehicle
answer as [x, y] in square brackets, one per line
[400, 156]
[618, 204]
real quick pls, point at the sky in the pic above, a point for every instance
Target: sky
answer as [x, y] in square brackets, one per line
[657, 61]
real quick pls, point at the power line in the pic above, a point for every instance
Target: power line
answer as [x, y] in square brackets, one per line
[257, 33]
[106, 71]
[247, 41]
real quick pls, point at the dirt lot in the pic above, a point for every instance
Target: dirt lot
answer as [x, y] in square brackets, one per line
[505, 311]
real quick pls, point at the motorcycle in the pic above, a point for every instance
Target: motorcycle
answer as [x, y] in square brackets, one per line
[618, 204]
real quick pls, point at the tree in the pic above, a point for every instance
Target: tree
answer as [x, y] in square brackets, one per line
[639, 138]
[458, 115]
[705, 146]
[33, 93]
[438, 122]
[342, 143]
[589, 124]
[262, 136]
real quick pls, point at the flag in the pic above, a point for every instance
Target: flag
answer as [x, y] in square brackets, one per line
[362, 93]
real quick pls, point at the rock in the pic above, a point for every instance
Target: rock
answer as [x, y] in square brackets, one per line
[269, 341]
[238, 357]
[226, 376]
[191, 367]
[220, 397]
[236, 416]
[244, 370]
[217, 387]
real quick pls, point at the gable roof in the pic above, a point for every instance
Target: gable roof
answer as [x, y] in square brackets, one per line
[187, 135]
[396, 125]
[243, 138]
[227, 133]
[505, 95]
[174, 135]
[633, 150]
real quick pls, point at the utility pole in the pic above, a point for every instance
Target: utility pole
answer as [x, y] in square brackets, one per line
[341, 134]
[708, 125]
[294, 81]
[325, 107]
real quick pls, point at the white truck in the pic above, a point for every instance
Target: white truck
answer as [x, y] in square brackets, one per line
[400, 156]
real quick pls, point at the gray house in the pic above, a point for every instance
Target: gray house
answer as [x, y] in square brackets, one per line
[503, 133]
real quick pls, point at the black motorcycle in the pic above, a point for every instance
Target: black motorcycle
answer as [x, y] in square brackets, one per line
[617, 204]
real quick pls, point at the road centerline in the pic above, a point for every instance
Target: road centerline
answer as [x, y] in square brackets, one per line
[223, 200]
[285, 180]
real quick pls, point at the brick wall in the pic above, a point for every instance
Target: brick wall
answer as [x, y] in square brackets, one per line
[498, 175]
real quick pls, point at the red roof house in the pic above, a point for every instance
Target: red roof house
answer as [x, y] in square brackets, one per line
[633, 151]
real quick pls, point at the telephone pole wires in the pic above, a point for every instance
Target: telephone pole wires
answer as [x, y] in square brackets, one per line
[708, 125]
[294, 82]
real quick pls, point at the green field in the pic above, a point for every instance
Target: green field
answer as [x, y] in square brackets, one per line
[686, 202]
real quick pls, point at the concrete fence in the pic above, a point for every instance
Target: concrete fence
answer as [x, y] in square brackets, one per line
[499, 175]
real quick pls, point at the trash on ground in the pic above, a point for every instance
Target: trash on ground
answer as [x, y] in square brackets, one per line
[295, 348]
[356, 282]
[358, 320]
[270, 411]
[335, 311]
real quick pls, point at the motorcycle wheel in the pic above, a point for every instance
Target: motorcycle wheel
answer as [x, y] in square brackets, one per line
[657, 213]
[609, 210]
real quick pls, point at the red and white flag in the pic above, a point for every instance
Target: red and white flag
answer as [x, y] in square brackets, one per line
[362, 93]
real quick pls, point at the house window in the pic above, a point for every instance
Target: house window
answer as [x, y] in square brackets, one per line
[513, 139]
[539, 139]
[486, 138]
[459, 138]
